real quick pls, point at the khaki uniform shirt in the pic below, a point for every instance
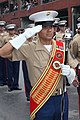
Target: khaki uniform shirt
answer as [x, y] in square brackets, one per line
[75, 36]
[2, 35]
[74, 52]
[8, 37]
[37, 57]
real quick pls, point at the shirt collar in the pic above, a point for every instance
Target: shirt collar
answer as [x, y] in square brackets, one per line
[40, 46]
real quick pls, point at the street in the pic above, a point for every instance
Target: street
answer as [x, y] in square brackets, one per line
[13, 106]
[73, 103]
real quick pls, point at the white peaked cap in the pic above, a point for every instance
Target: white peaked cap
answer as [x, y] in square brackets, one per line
[56, 20]
[78, 19]
[43, 16]
[63, 22]
[78, 25]
[2, 23]
[30, 25]
[11, 26]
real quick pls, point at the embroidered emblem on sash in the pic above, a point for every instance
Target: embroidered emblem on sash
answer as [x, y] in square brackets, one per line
[56, 65]
[59, 55]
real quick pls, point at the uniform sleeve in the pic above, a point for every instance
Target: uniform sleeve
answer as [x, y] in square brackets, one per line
[72, 61]
[21, 54]
[17, 56]
[72, 53]
[2, 41]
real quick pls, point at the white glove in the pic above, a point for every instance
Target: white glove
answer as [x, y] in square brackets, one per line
[65, 69]
[68, 72]
[29, 32]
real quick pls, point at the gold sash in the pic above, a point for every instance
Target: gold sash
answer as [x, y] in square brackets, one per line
[49, 79]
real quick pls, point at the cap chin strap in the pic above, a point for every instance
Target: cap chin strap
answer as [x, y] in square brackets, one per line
[44, 23]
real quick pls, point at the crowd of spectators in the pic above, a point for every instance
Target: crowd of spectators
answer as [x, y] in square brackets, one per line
[6, 8]
[25, 4]
[13, 6]
[28, 4]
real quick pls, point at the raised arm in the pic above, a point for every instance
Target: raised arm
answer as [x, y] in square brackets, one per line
[29, 32]
[6, 49]
[18, 41]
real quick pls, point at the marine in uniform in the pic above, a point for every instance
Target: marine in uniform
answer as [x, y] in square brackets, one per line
[74, 59]
[13, 66]
[45, 63]
[56, 25]
[61, 32]
[3, 72]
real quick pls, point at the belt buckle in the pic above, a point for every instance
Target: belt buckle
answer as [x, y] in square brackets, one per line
[58, 91]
